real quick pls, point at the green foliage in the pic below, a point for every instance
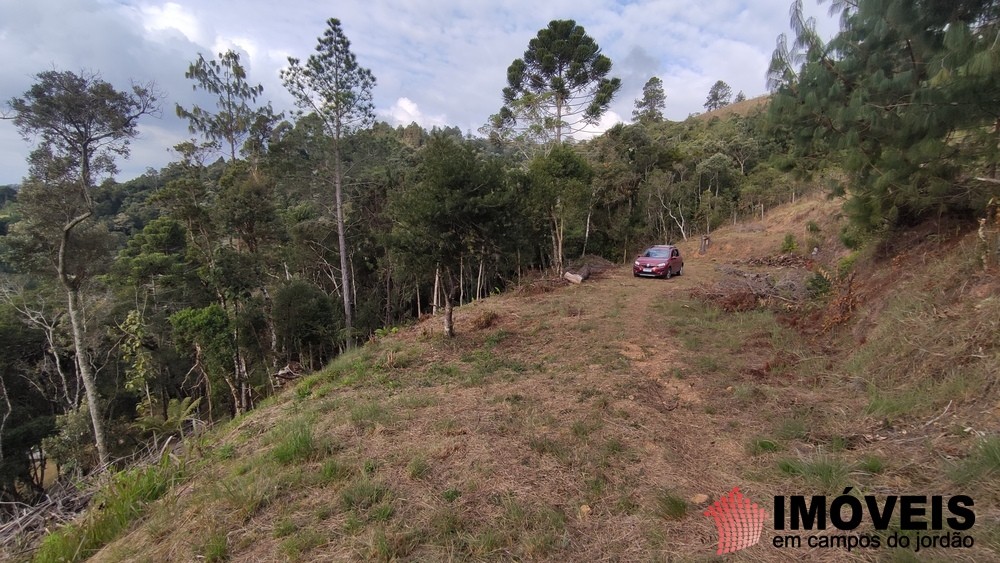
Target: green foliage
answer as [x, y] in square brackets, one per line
[818, 285]
[759, 446]
[649, 108]
[363, 494]
[235, 119]
[305, 321]
[900, 98]
[215, 547]
[72, 446]
[719, 96]
[418, 467]
[789, 245]
[823, 470]
[332, 84]
[178, 414]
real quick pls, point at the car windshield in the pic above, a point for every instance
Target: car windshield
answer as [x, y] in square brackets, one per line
[657, 253]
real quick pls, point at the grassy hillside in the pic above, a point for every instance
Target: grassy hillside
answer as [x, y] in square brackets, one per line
[599, 421]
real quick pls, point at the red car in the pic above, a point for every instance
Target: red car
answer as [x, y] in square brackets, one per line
[659, 261]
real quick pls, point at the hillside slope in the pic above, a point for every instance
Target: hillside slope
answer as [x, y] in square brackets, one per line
[598, 422]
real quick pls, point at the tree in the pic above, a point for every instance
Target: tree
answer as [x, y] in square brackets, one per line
[718, 96]
[559, 188]
[83, 123]
[459, 208]
[740, 97]
[904, 98]
[235, 118]
[561, 80]
[649, 108]
[332, 85]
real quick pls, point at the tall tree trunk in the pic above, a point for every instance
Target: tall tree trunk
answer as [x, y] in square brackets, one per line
[451, 291]
[345, 273]
[437, 290]
[89, 381]
[76, 321]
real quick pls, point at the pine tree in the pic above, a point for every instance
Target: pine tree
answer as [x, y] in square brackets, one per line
[649, 108]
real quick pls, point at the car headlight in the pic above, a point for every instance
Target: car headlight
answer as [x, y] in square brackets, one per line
[661, 264]
[637, 263]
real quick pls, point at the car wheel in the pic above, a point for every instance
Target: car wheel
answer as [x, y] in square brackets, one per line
[668, 274]
[681, 271]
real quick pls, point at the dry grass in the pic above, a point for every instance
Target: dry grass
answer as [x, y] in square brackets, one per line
[577, 423]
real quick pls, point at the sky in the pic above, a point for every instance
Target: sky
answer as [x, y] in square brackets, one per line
[436, 63]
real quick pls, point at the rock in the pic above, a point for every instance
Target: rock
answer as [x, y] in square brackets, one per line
[699, 499]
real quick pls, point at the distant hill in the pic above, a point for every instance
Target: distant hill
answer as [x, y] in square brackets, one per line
[744, 108]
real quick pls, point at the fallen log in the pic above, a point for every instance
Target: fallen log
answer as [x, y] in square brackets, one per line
[578, 277]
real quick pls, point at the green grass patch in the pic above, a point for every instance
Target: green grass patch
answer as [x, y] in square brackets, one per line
[301, 542]
[794, 428]
[418, 467]
[285, 527]
[982, 465]
[549, 446]
[334, 471]
[122, 501]
[871, 464]
[366, 416]
[760, 446]
[293, 442]
[828, 472]
[214, 548]
[669, 506]
[583, 428]
[363, 494]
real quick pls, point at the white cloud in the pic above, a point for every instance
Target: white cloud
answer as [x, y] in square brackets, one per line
[172, 17]
[608, 120]
[405, 111]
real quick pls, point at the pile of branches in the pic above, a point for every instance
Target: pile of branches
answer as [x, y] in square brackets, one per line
[779, 261]
[741, 290]
[24, 525]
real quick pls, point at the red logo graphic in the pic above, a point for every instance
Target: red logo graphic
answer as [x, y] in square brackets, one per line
[738, 520]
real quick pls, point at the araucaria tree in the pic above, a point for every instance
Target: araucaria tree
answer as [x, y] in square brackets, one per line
[562, 81]
[331, 85]
[82, 123]
[649, 108]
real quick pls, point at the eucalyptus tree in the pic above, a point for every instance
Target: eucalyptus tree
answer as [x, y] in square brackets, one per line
[82, 123]
[333, 86]
[561, 83]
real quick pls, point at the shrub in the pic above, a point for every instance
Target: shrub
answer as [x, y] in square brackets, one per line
[789, 245]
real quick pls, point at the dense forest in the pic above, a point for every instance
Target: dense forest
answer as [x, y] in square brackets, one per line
[132, 311]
